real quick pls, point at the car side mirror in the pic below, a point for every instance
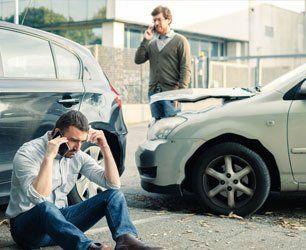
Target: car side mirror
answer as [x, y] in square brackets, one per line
[302, 90]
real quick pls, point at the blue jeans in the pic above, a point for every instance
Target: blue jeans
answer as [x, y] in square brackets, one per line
[163, 109]
[46, 225]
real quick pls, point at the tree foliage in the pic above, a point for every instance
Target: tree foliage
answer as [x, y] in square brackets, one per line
[42, 17]
[101, 13]
[37, 17]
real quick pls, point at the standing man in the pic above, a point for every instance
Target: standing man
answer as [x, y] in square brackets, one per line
[170, 61]
[44, 172]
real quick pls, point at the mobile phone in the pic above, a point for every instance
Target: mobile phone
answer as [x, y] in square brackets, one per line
[63, 148]
[153, 28]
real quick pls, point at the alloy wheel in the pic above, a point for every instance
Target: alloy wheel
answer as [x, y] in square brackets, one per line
[85, 188]
[229, 181]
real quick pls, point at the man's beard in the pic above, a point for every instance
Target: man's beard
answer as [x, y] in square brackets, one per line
[70, 153]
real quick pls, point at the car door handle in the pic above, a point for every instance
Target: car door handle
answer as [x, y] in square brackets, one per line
[298, 150]
[4, 115]
[69, 101]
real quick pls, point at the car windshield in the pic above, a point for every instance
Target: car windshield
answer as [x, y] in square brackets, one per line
[284, 79]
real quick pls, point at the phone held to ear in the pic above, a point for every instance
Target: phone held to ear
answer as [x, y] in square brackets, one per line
[153, 28]
[63, 148]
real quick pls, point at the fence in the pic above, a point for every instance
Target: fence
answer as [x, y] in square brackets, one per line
[129, 79]
[132, 80]
[251, 70]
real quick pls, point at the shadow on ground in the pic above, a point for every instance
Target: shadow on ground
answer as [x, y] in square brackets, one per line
[287, 205]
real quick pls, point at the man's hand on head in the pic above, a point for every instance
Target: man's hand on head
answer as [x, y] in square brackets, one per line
[111, 171]
[98, 137]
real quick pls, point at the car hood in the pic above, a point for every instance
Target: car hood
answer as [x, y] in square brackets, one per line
[197, 94]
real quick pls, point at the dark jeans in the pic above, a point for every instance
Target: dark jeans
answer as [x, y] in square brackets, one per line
[163, 109]
[45, 224]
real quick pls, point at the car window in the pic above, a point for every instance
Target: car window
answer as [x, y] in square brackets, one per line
[25, 56]
[87, 75]
[68, 65]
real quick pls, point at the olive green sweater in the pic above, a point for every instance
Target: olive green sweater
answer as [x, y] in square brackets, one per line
[169, 67]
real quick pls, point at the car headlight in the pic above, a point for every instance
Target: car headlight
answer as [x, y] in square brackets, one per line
[162, 128]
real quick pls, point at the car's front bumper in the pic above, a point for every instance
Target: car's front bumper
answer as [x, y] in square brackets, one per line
[161, 163]
[174, 189]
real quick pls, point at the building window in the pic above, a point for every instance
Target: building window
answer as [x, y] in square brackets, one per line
[269, 31]
[194, 47]
[206, 48]
[56, 16]
[222, 49]
[82, 36]
[7, 9]
[42, 12]
[132, 38]
[215, 49]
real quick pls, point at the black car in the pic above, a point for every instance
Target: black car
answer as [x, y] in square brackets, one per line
[41, 77]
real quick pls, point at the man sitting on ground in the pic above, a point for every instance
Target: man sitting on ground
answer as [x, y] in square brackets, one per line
[44, 172]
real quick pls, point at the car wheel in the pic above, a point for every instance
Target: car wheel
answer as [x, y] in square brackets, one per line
[84, 188]
[230, 177]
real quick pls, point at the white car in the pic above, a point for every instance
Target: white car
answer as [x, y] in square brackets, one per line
[233, 154]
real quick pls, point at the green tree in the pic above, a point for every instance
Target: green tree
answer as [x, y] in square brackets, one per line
[101, 14]
[38, 17]
[84, 36]
[42, 17]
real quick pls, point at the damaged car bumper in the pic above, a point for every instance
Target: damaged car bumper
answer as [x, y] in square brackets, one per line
[161, 163]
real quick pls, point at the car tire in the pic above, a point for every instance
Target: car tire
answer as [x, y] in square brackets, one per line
[230, 177]
[84, 188]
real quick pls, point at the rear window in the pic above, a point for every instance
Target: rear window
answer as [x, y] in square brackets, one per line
[68, 65]
[25, 56]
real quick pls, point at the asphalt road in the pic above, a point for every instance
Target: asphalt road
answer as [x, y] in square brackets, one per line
[179, 223]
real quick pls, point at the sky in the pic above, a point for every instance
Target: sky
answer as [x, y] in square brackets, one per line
[187, 12]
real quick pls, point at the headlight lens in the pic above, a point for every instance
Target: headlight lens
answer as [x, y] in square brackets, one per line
[162, 128]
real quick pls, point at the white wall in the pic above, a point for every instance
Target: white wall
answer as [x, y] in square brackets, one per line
[285, 28]
[232, 26]
[184, 12]
[234, 49]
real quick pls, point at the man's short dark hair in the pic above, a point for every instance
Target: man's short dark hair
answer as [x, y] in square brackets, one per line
[72, 118]
[164, 10]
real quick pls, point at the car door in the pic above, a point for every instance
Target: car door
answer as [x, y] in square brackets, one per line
[39, 81]
[297, 137]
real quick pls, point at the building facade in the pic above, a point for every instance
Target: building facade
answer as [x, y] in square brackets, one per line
[259, 30]
[101, 22]
[78, 20]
